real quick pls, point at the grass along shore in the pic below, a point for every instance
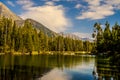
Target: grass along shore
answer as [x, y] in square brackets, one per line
[49, 52]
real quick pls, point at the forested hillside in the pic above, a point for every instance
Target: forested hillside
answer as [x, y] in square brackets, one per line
[26, 38]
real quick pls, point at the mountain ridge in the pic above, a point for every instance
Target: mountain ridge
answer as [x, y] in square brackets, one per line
[7, 13]
[40, 26]
[75, 37]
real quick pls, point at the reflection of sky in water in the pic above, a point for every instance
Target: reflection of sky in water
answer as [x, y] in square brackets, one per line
[84, 68]
[55, 74]
[82, 71]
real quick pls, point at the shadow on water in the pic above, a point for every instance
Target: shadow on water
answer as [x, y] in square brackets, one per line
[106, 70]
[39, 67]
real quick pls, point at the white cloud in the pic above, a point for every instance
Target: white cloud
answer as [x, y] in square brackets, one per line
[56, 0]
[83, 35]
[115, 3]
[50, 3]
[71, 0]
[26, 4]
[11, 3]
[99, 9]
[97, 13]
[93, 2]
[50, 15]
[78, 6]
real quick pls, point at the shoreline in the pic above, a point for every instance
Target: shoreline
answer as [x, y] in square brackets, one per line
[51, 53]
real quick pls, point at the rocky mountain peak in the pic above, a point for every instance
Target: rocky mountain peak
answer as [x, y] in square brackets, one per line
[6, 12]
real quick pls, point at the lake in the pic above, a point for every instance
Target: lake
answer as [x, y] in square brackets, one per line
[47, 67]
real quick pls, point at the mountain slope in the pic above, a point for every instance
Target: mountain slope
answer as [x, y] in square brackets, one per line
[6, 12]
[73, 36]
[41, 27]
[70, 35]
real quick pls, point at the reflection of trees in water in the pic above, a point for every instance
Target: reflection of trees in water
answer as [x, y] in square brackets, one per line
[28, 67]
[22, 73]
[106, 70]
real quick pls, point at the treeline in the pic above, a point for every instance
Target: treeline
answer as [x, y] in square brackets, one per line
[26, 38]
[107, 40]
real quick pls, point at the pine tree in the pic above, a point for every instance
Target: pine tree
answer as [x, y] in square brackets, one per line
[28, 37]
[14, 37]
[107, 37]
[1, 34]
[35, 40]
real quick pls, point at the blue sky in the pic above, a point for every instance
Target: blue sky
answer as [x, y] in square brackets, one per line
[68, 16]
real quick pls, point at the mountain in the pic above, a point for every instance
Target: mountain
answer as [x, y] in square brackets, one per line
[87, 39]
[41, 27]
[6, 12]
[70, 36]
[73, 36]
[38, 26]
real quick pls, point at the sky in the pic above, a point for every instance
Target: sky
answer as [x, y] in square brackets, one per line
[68, 16]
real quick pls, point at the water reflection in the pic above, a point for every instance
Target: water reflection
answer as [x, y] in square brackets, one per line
[106, 70]
[82, 71]
[46, 67]
[55, 74]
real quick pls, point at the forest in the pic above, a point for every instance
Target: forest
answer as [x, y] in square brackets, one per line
[107, 41]
[26, 39]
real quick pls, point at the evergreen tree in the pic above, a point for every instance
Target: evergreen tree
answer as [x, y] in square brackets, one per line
[107, 41]
[14, 37]
[107, 38]
[35, 40]
[27, 39]
[1, 34]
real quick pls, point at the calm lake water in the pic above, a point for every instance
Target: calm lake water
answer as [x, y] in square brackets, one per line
[46, 67]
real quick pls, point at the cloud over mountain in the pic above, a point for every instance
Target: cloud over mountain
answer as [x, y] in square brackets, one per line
[51, 15]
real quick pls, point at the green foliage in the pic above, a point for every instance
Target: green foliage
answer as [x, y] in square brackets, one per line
[26, 39]
[107, 41]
